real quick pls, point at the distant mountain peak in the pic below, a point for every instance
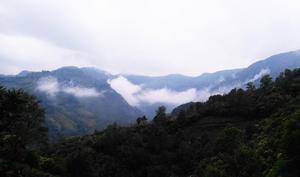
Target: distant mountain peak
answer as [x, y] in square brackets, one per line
[149, 91]
[23, 73]
[67, 68]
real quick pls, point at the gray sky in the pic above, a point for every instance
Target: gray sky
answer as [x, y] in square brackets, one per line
[152, 37]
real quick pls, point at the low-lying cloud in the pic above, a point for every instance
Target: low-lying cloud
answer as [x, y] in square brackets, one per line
[166, 95]
[136, 95]
[127, 89]
[48, 85]
[51, 86]
[82, 91]
[259, 75]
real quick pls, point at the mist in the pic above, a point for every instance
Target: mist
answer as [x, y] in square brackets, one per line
[143, 37]
[259, 75]
[136, 95]
[51, 86]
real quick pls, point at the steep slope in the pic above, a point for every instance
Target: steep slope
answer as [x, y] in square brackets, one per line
[179, 82]
[208, 83]
[245, 133]
[273, 65]
[77, 101]
[97, 103]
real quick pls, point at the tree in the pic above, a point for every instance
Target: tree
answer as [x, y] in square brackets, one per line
[291, 144]
[229, 140]
[22, 133]
[289, 82]
[160, 115]
[250, 87]
[21, 118]
[266, 82]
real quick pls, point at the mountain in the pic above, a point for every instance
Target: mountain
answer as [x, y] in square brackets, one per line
[211, 83]
[179, 82]
[251, 132]
[77, 100]
[275, 64]
[272, 65]
[23, 73]
[80, 100]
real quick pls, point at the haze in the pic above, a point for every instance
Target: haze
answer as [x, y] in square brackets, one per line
[154, 37]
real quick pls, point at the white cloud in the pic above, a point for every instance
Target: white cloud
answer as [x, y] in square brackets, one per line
[259, 75]
[82, 92]
[143, 37]
[126, 89]
[51, 86]
[48, 85]
[203, 95]
[35, 54]
[136, 95]
[165, 95]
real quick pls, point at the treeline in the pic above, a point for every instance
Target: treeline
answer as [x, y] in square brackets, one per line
[251, 132]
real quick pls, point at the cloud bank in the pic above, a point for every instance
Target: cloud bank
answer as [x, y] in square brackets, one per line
[51, 86]
[166, 95]
[136, 95]
[142, 36]
[33, 53]
[82, 92]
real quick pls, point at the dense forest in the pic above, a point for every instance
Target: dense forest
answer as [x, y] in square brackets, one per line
[251, 132]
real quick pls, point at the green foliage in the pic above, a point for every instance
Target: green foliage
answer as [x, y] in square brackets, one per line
[246, 133]
[266, 82]
[229, 140]
[22, 134]
[161, 116]
[21, 116]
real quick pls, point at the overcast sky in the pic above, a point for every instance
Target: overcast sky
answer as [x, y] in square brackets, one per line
[153, 37]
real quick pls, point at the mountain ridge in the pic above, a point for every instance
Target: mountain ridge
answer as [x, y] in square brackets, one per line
[82, 89]
[76, 103]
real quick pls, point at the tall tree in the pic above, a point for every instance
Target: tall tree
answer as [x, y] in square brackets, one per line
[21, 117]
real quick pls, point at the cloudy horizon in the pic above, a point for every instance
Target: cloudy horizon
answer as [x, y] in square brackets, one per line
[145, 37]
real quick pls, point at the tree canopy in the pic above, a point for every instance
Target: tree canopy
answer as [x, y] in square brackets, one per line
[250, 132]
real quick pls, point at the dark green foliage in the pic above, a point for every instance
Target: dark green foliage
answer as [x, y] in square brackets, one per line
[69, 115]
[291, 145]
[161, 116]
[246, 133]
[22, 134]
[21, 117]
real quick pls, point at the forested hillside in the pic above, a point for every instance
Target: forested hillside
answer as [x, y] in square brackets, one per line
[77, 101]
[251, 132]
